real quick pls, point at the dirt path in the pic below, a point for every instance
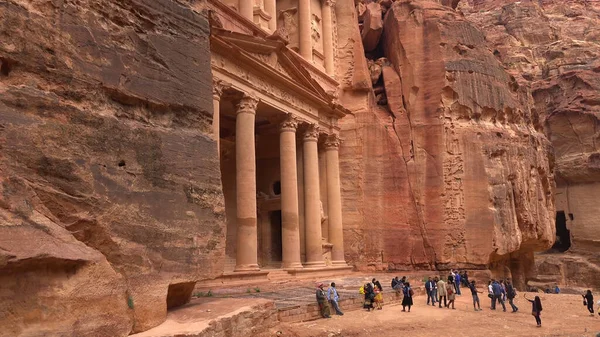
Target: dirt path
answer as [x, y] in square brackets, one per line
[563, 315]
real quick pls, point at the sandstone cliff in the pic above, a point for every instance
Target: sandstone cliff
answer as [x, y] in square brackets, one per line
[451, 168]
[110, 192]
[552, 48]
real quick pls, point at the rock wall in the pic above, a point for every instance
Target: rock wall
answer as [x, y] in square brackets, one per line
[110, 194]
[451, 168]
[552, 49]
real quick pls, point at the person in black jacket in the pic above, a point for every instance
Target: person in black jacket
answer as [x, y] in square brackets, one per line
[536, 309]
[511, 293]
[588, 299]
[430, 287]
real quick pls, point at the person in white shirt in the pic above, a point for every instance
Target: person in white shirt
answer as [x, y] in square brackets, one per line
[333, 297]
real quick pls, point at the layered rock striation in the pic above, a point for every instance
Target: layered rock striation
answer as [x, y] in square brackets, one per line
[110, 196]
[451, 167]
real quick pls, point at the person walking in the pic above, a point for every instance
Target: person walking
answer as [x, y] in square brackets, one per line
[503, 286]
[511, 293]
[441, 289]
[475, 295]
[498, 294]
[333, 297]
[491, 295]
[536, 309]
[407, 300]
[588, 299]
[451, 289]
[322, 301]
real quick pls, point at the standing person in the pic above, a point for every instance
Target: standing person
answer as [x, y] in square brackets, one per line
[511, 293]
[466, 277]
[503, 286]
[333, 297]
[491, 295]
[369, 295]
[588, 299]
[441, 288]
[536, 309]
[457, 283]
[407, 300]
[397, 284]
[428, 288]
[434, 290]
[378, 290]
[322, 301]
[451, 288]
[475, 296]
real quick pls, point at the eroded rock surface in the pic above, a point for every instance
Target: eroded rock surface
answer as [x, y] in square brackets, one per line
[109, 179]
[552, 49]
[455, 170]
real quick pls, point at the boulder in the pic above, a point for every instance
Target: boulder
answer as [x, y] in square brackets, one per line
[372, 26]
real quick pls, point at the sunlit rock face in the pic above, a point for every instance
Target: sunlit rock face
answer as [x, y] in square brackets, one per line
[449, 165]
[109, 178]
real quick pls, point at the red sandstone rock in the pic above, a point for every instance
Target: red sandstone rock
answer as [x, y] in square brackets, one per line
[109, 182]
[461, 175]
[372, 26]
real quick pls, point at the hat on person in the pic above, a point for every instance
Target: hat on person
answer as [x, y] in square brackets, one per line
[320, 285]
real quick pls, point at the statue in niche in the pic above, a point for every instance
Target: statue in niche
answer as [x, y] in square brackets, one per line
[314, 25]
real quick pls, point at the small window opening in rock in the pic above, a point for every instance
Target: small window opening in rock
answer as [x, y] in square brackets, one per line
[4, 67]
[571, 216]
[563, 235]
[179, 294]
[499, 134]
[121, 163]
[277, 188]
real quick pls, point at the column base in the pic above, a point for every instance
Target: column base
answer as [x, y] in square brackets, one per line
[293, 265]
[315, 264]
[340, 263]
[246, 267]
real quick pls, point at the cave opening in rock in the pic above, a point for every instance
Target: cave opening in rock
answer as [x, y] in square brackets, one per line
[563, 235]
[4, 67]
[179, 294]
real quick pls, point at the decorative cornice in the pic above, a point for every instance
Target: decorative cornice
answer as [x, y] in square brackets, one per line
[247, 104]
[311, 134]
[218, 87]
[289, 124]
[332, 142]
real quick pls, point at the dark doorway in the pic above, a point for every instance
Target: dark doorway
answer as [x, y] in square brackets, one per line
[563, 235]
[276, 247]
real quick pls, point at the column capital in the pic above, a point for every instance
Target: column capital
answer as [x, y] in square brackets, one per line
[290, 123]
[218, 87]
[311, 134]
[247, 104]
[333, 142]
[330, 3]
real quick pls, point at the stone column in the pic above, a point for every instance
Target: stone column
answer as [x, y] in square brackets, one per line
[312, 199]
[328, 36]
[218, 87]
[245, 156]
[271, 8]
[304, 29]
[246, 8]
[290, 230]
[334, 200]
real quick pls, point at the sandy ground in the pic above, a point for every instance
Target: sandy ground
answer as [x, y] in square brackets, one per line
[563, 315]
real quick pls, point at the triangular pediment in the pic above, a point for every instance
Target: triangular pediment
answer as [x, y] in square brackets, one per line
[274, 54]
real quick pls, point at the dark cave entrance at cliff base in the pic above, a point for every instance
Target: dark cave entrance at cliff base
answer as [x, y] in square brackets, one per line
[563, 235]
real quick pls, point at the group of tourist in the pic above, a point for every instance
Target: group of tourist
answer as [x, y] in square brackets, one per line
[438, 290]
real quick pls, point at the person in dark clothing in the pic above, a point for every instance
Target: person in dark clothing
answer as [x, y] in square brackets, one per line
[475, 296]
[511, 293]
[536, 309]
[369, 297]
[588, 299]
[498, 293]
[407, 300]
[322, 301]
[429, 287]
[457, 280]
[466, 278]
